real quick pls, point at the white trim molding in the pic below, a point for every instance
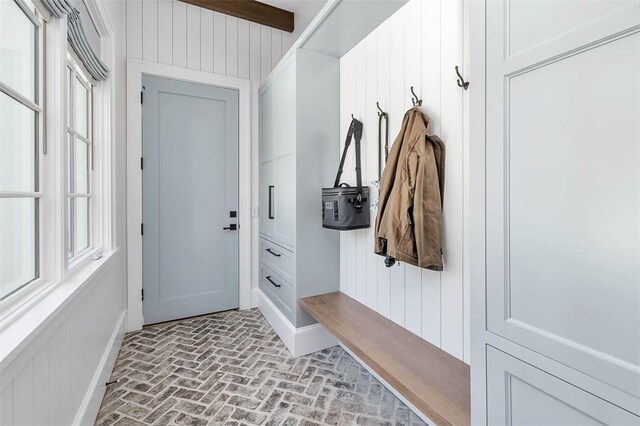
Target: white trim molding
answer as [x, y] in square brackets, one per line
[135, 70]
[299, 341]
[92, 400]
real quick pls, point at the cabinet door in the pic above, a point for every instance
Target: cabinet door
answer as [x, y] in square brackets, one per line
[285, 199]
[520, 394]
[267, 197]
[285, 111]
[267, 123]
[563, 235]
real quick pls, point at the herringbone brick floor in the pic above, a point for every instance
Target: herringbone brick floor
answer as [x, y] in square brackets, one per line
[231, 368]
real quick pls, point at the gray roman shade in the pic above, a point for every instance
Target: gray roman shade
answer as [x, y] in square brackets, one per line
[82, 34]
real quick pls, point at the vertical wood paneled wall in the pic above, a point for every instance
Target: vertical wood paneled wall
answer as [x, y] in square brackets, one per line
[418, 46]
[49, 382]
[174, 33]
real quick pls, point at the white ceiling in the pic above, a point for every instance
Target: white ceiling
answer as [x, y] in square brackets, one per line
[303, 10]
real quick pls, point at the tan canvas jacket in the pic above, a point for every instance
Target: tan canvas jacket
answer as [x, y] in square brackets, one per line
[409, 220]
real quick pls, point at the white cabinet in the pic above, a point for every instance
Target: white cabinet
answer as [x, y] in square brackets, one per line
[520, 394]
[277, 155]
[556, 233]
[299, 130]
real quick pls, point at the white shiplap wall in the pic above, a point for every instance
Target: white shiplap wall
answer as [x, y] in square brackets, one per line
[57, 377]
[174, 33]
[418, 46]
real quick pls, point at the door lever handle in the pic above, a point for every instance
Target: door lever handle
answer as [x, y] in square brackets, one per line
[231, 227]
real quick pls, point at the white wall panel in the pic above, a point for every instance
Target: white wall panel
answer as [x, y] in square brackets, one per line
[451, 290]
[219, 43]
[206, 40]
[383, 96]
[6, 405]
[265, 52]
[179, 34]
[418, 46]
[359, 112]
[287, 41]
[49, 382]
[276, 47]
[431, 77]
[134, 29]
[165, 37]
[41, 392]
[255, 52]
[232, 46]
[370, 117]
[243, 49]
[193, 37]
[150, 31]
[23, 407]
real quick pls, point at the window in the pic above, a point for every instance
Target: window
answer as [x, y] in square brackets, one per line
[20, 144]
[78, 161]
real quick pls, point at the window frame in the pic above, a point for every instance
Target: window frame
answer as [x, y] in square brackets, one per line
[56, 270]
[77, 74]
[38, 106]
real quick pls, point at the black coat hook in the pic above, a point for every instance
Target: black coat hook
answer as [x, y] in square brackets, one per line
[381, 113]
[414, 100]
[461, 82]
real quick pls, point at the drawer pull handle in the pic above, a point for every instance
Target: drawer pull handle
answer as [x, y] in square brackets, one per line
[271, 203]
[273, 253]
[271, 281]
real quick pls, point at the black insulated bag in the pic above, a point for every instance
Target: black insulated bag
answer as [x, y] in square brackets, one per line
[346, 207]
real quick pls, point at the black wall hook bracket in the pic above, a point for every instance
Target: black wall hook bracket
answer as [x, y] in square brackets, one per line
[414, 99]
[381, 113]
[461, 82]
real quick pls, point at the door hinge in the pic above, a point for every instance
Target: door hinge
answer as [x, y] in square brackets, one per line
[142, 229]
[142, 293]
[141, 163]
[141, 97]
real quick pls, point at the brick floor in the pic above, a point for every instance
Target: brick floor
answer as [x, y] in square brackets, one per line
[230, 368]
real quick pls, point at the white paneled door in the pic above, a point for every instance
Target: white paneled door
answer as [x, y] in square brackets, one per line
[190, 199]
[563, 206]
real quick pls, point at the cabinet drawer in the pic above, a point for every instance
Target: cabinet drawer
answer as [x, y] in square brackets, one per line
[519, 393]
[278, 258]
[276, 288]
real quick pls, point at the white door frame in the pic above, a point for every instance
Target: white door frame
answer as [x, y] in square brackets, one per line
[135, 71]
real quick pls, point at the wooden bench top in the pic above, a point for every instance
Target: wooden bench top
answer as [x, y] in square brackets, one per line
[434, 381]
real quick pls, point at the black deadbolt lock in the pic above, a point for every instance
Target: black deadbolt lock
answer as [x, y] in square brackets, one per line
[233, 213]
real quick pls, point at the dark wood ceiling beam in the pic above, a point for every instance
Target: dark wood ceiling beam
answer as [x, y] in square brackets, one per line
[251, 10]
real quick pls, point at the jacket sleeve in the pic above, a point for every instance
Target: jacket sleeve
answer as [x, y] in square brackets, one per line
[428, 211]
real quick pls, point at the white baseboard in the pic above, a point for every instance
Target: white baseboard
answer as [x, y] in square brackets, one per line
[255, 295]
[406, 402]
[299, 341]
[86, 414]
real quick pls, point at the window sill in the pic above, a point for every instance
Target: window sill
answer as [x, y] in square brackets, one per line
[21, 327]
[78, 262]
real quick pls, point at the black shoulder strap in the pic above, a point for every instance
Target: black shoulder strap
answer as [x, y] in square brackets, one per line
[355, 130]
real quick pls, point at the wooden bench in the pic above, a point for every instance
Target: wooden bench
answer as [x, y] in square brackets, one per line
[435, 382]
